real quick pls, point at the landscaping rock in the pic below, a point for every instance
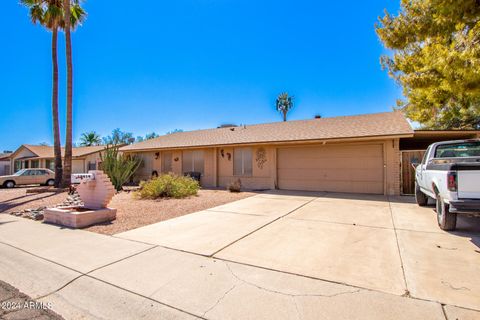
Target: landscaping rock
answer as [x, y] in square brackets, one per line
[72, 200]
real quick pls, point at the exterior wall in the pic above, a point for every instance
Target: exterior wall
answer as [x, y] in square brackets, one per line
[92, 158]
[219, 165]
[4, 168]
[144, 172]
[21, 154]
[78, 166]
[262, 177]
[177, 162]
[392, 167]
[150, 164]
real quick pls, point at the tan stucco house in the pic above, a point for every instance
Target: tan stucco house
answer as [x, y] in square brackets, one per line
[357, 154]
[5, 163]
[33, 156]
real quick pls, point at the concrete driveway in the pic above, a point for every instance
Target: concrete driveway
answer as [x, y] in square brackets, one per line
[277, 255]
[385, 244]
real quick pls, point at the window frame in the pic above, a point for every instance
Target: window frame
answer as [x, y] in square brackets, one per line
[243, 173]
[193, 157]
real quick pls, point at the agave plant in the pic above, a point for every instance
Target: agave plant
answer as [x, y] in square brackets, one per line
[118, 166]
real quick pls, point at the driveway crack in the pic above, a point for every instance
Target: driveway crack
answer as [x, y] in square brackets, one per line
[219, 300]
[288, 294]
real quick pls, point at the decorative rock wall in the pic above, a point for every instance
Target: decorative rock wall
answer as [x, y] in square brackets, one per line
[97, 193]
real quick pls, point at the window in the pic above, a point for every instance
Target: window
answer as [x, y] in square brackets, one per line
[50, 164]
[34, 163]
[242, 161]
[92, 165]
[17, 165]
[192, 161]
[166, 162]
[458, 150]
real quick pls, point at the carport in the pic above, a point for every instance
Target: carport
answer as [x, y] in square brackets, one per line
[413, 148]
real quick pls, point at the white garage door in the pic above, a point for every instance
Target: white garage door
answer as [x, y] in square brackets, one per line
[347, 168]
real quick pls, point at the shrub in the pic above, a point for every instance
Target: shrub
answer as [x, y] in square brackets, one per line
[235, 186]
[119, 167]
[168, 186]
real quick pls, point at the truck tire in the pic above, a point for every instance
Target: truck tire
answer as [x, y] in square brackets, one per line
[420, 197]
[446, 220]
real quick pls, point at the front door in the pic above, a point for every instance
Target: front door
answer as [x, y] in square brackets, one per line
[167, 162]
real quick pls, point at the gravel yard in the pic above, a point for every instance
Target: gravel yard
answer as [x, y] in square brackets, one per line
[16, 199]
[131, 212]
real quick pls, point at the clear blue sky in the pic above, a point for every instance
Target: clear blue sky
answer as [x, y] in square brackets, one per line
[192, 64]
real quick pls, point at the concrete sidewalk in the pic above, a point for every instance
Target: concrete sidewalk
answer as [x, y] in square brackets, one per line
[89, 276]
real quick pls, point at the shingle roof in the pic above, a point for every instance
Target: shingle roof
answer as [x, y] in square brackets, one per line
[368, 125]
[47, 151]
[5, 156]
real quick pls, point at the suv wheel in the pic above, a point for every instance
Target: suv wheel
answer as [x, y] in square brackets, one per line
[446, 220]
[420, 197]
[9, 184]
[50, 182]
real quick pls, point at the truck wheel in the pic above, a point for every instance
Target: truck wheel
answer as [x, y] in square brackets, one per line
[9, 184]
[420, 197]
[446, 220]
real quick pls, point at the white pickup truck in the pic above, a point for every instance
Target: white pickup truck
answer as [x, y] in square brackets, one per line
[450, 174]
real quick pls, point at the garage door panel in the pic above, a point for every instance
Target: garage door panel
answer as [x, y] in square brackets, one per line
[332, 151]
[333, 174]
[338, 163]
[338, 186]
[352, 168]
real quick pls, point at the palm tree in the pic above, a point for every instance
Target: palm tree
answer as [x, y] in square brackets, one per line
[73, 15]
[283, 104]
[49, 14]
[90, 139]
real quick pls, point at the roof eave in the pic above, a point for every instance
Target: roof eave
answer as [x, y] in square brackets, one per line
[339, 139]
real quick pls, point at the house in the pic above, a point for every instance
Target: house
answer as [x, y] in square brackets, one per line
[5, 163]
[356, 154]
[33, 156]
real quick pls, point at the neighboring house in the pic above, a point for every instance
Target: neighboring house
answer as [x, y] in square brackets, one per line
[32, 156]
[357, 154]
[4, 164]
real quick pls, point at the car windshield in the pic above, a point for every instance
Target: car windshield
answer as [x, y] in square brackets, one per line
[458, 150]
[20, 172]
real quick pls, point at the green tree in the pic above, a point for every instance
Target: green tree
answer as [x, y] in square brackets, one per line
[73, 16]
[148, 136]
[436, 58]
[175, 131]
[283, 104]
[50, 15]
[119, 137]
[118, 166]
[90, 139]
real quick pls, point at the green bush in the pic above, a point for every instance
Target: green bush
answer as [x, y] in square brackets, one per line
[168, 186]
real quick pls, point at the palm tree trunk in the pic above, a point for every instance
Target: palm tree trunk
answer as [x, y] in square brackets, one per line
[56, 128]
[284, 115]
[67, 163]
